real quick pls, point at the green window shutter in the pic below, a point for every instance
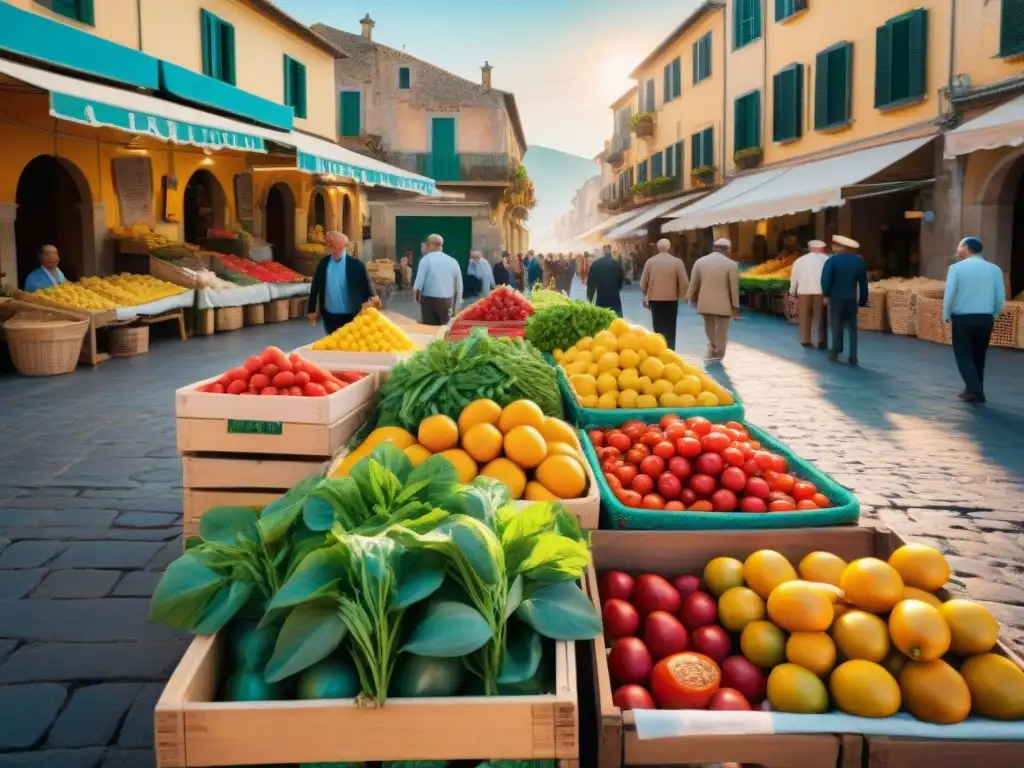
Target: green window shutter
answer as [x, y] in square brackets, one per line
[787, 103]
[668, 83]
[755, 10]
[696, 61]
[288, 97]
[670, 160]
[86, 13]
[679, 158]
[706, 56]
[707, 147]
[739, 124]
[657, 165]
[783, 9]
[649, 96]
[403, 78]
[227, 52]
[208, 31]
[739, 8]
[695, 152]
[918, 76]
[677, 77]
[883, 65]
[747, 125]
[841, 84]
[1011, 30]
[299, 88]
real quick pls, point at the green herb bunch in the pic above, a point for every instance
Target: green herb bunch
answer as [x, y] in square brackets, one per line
[562, 325]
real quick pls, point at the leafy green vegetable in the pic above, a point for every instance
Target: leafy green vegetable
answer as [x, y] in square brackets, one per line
[561, 325]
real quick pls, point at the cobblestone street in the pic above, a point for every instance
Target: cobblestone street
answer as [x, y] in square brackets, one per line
[90, 505]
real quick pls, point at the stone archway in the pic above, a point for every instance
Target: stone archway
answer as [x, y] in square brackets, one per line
[204, 205]
[997, 216]
[319, 213]
[279, 220]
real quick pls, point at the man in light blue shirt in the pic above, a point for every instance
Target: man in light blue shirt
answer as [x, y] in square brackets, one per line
[341, 286]
[975, 295]
[47, 274]
[438, 286]
[481, 270]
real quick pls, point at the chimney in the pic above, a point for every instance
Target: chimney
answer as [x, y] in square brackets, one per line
[368, 25]
[485, 72]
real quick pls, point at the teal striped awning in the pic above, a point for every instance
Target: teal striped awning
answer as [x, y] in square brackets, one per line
[324, 158]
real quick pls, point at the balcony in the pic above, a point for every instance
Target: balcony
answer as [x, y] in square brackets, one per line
[616, 158]
[466, 167]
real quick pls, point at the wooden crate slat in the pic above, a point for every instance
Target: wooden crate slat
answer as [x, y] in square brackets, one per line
[213, 471]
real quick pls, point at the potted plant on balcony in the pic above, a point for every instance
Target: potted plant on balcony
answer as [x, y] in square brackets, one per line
[659, 185]
[703, 175]
[747, 158]
[642, 124]
[640, 191]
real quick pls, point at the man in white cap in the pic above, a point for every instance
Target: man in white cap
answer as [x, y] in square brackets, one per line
[438, 286]
[715, 291]
[844, 273]
[805, 284]
[663, 284]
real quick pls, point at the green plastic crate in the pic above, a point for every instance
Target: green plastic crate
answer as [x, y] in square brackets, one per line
[619, 517]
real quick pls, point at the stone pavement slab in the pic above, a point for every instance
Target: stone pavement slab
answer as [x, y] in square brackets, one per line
[93, 715]
[105, 661]
[28, 711]
[76, 584]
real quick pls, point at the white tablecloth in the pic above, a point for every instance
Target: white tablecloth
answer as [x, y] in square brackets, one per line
[261, 253]
[242, 296]
[179, 301]
[287, 290]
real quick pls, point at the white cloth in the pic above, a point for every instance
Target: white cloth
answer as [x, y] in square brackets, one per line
[242, 296]
[178, 301]
[440, 277]
[288, 290]
[806, 277]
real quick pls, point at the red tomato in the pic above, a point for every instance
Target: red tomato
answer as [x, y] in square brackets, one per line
[758, 488]
[632, 697]
[764, 460]
[780, 496]
[630, 498]
[688, 497]
[654, 501]
[688, 447]
[637, 454]
[669, 486]
[806, 504]
[612, 465]
[314, 390]
[709, 464]
[735, 425]
[612, 480]
[781, 506]
[715, 442]
[724, 500]
[596, 437]
[625, 474]
[733, 456]
[284, 379]
[653, 428]
[632, 424]
[803, 490]
[619, 441]
[744, 436]
[253, 364]
[634, 431]
[750, 468]
[783, 483]
[237, 387]
[747, 451]
[238, 374]
[753, 504]
[685, 681]
[653, 466]
[296, 391]
[268, 391]
[675, 431]
[616, 584]
[301, 379]
[629, 661]
[664, 634]
[270, 370]
[668, 418]
[651, 439]
[703, 485]
[216, 388]
[779, 463]
[675, 506]
[733, 479]
[702, 506]
[609, 452]
[699, 425]
[769, 476]
[329, 386]
[680, 467]
[665, 450]
[642, 484]
[620, 618]
[821, 501]
[755, 444]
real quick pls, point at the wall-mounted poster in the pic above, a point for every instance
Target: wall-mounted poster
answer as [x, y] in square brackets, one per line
[133, 180]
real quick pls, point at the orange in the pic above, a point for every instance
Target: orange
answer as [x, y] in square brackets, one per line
[481, 411]
[563, 476]
[417, 454]
[871, 585]
[525, 446]
[822, 566]
[812, 650]
[919, 630]
[912, 593]
[537, 492]
[520, 413]
[438, 433]
[483, 442]
[463, 462]
[800, 606]
[557, 431]
[507, 472]
[861, 635]
[765, 570]
[997, 686]
[972, 628]
[920, 566]
[935, 692]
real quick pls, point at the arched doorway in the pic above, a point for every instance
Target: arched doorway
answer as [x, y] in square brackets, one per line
[52, 199]
[203, 206]
[1017, 254]
[279, 224]
[348, 226]
[316, 216]
[997, 216]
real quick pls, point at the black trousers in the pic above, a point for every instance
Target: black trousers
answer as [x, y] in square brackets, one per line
[971, 335]
[333, 322]
[842, 315]
[663, 318]
[434, 310]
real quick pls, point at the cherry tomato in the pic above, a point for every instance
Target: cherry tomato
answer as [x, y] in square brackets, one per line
[654, 428]
[699, 425]
[802, 490]
[780, 496]
[715, 442]
[821, 501]
[625, 474]
[612, 465]
[665, 450]
[633, 423]
[635, 431]
[651, 439]
[668, 418]
[733, 456]
[702, 506]
[670, 486]
[629, 498]
[653, 466]
[613, 480]
[596, 437]
[806, 504]
[637, 453]
[680, 467]
[784, 483]
[756, 445]
[688, 497]
[781, 506]
[642, 484]
[675, 431]
[750, 468]
[746, 450]
[779, 463]
[764, 460]
[735, 425]
[619, 441]
[688, 447]
[609, 453]
[675, 506]
[653, 501]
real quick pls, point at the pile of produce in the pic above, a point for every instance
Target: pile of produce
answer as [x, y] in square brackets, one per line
[261, 271]
[911, 284]
[446, 377]
[75, 296]
[699, 466]
[630, 367]
[393, 581]
[772, 275]
[461, 329]
[369, 331]
[541, 298]
[501, 304]
[538, 457]
[559, 326]
[272, 372]
[148, 236]
[314, 249]
[111, 292]
[866, 638]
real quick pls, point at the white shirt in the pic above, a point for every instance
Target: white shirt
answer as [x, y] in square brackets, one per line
[806, 277]
[439, 276]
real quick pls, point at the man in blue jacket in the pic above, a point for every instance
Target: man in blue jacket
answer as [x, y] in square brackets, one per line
[841, 278]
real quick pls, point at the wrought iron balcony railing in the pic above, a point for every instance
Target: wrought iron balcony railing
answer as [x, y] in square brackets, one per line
[464, 166]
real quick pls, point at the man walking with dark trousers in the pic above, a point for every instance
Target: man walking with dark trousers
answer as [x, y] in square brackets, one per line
[664, 283]
[975, 295]
[604, 283]
[844, 273]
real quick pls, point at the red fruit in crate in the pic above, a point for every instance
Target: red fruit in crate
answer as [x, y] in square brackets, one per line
[216, 388]
[779, 463]
[269, 391]
[626, 474]
[653, 501]
[734, 479]
[764, 460]
[253, 364]
[724, 500]
[629, 661]
[688, 497]
[653, 466]
[237, 387]
[699, 425]
[698, 610]
[750, 468]
[668, 418]
[664, 635]
[685, 681]
[259, 381]
[710, 464]
[703, 485]
[680, 467]
[619, 441]
[746, 677]
[632, 697]
[712, 641]
[637, 454]
[725, 699]
[630, 498]
[715, 442]
[616, 585]
[803, 491]
[687, 584]
[758, 488]
[753, 504]
[314, 390]
[654, 593]
[642, 484]
[674, 506]
[675, 431]
[596, 437]
[669, 486]
[688, 447]
[620, 619]
[665, 450]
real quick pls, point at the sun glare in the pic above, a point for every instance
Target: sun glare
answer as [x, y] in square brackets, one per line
[613, 76]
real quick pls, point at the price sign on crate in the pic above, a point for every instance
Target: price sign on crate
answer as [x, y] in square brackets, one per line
[249, 427]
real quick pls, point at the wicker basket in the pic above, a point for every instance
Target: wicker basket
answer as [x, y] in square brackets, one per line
[1006, 331]
[873, 316]
[1019, 340]
[228, 319]
[928, 319]
[42, 346]
[277, 311]
[128, 342]
[791, 308]
[255, 314]
[296, 307]
[899, 309]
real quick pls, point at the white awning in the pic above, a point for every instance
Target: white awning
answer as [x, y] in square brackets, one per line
[634, 227]
[599, 231]
[999, 127]
[783, 191]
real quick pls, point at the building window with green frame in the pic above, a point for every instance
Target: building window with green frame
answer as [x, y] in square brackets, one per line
[79, 10]
[901, 59]
[641, 171]
[218, 47]
[788, 104]
[747, 125]
[702, 59]
[786, 8]
[657, 165]
[295, 86]
[1011, 29]
[833, 87]
[746, 22]
[404, 79]
[673, 79]
[702, 149]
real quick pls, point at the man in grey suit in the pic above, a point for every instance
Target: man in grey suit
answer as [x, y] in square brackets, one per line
[715, 292]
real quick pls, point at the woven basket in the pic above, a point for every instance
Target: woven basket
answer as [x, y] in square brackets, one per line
[228, 319]
[41, 346]
[296, 307]
[127, 342]
[277, 311]
[873, 316]
[1006, 331]
[1019, 340]
[928, 319]
[255, 314]
[899, 310]
[791, 308]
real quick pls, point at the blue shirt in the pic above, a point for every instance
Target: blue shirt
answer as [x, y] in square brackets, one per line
[336, 289]
[39, 278]
[842, 275]
[481, 270]
[973, 287]
[439, 276]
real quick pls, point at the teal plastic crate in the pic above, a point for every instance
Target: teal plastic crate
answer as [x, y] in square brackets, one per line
[619, 517]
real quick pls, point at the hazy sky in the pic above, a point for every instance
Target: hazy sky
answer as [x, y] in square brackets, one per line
[565, 60]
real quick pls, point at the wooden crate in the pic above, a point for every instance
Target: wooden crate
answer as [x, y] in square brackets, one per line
[195, 503]
[191, 729]
[677, 552]
[225, 472]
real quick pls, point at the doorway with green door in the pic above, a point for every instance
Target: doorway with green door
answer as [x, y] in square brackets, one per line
[351, 118]
[457, 231]
[444, 162]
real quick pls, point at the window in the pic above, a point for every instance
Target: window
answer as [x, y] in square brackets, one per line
[833, 81]
[1011, 34]
[657, 165]
[788, 104]
[641, 171]
[702, 59]
[786, 8]
[648, 96]
[702, 149]
[622, 128]
[747, 127]
[901, 66]
[218, 47]
[673, 79]
[670, 160]
[677, 167]
[404, 79]
[746, 22]
[295, 86]
[79, 10]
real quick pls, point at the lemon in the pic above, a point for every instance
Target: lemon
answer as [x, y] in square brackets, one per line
[812, 650]
[563, 476]
[537, 492]
[481, 411]
[619, 327]
[585, 357]
[609, 401]
[647, 401]
[722, 574]
[668, 400]
[628, 358]
[686, 401]
[973, 629]
[861, 635]
[608, 361]
[822, 567]
[557, 354]
[570, 355]
[608, 340]
[688, 385]
[438, 433]
[525, 446]
[520, 413]
[630, 342]
[672, 372]
[792, 688]
[920, 566]
[628, 398]
[556, 430]
[763, 643]
[592, 370]
[507, 472]
[583, 384]
[599, 351]
[606, 383]
[483, 442]
[614, 373]
[766, 569]
[629, 379]
[575, 369]
[645, 385]
[652, 367]
[585, 343]
[589, 401]
[653, 344]
[660, 387]
[463, 463]
[864, 689]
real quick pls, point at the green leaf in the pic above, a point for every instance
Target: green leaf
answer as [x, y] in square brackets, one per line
[514, 597]
[279, 516]
[420, 574]
[534, 520]
[562, 612]
[225, 607]
[448, 629]
[229, 525]
[318, 573]
[345, 501]
[394, 460]
[441, 476]
[553, 557]
[478, 545]
[311, 632]
[185, 591]
[523, 652]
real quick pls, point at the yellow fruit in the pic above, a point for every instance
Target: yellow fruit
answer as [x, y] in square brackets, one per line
[525, 446]
[563, 476]
[598, 350]
[585, 343]
[996, 685]
[396, 435]
[708, 400]
[972, 628]
[507, 472]
[575, 369]
[920, 566]
[483, 442]
[763, 643]
[606, 383]
[608, 340]
[589, 401]
[558, 448]
[653, 344]
[463, 462]
[669, 357]
[668, 400]
[652, 367]
[628, 358]
[558, 431]
[919, 630]
[609, 401]
[628, 398]
[935, 692]
[871, 585]
[765, 570]
[800, 606]
[864, 689]
[812, 650]
[823, 567]
[912, 593]
[583, 385]
[861, 635]
[647, 401]
[592, 370]
[686, 401]
[738, 607]
[643, 354]
[608, 361]
[645, 385]
[614, 373]
[537, 492]
[796, 690]
[619, 326]
[629, 379]
[722, 574]
[521, 413]
[417, 454]
[672, 372]
[660, 387]
[570, 355]
[438, 433]
[585, 357]
[688, 385]
[481, 411]
[558, 354]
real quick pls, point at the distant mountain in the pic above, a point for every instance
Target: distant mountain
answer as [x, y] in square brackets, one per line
[556, 176]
